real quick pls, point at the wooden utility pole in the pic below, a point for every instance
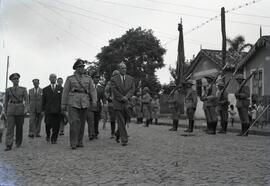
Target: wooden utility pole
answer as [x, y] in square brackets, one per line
[260, 31]
[223, 30]
[7, 72]
[180, 55]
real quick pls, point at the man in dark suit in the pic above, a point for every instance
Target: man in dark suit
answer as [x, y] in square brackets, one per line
[51, 104]
[35, 109]
[123, 88]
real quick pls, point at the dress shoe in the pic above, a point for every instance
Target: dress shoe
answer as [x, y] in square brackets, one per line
[222, 132]
[240, 134]
[8, 148]
[61, 134]
[112, 136]
[31, 136]
[211, 132]
[187, 130]
[48, 139]
[172, 129]
[124, 144]
[54, 142]
[117, 139]
[38, 136]
[73, 148]
[91, 138]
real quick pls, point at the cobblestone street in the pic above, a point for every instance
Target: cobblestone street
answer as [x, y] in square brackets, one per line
[154, 156]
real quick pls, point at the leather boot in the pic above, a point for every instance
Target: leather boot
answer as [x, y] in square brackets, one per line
[242, 130]
[173, 126]
[207, 127]
[211, 128]
[1, 134]
[176, 125]
[225, 126]
[192, 125]
[156, 121]
[222, 130]
[189, 127]
[245, 133]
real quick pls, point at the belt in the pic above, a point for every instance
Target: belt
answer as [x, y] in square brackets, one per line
[15, 102]
[80, 91]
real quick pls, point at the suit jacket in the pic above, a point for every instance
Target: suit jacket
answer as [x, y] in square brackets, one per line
[122, 89]
[35, 100]
[51, 100]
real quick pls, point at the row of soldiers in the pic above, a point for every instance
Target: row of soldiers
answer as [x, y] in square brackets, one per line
[215, 103]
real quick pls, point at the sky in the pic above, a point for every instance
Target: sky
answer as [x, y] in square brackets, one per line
[46, 36]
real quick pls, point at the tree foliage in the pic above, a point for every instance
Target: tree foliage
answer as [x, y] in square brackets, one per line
[238, 44]
[142, 53]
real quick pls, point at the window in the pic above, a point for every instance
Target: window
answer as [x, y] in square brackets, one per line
[257, 85]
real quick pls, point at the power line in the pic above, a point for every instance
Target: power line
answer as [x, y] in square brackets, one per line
[152, 9]
[56, 25]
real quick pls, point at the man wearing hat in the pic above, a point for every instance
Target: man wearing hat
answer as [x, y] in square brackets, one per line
[35, 109]
[146, 106]
[190, 103]
[51, 104]
[242, 103]
[78, 92]
[109, 96]
[123, 88]
[174, 105]
[209, 104]
[16, 105]
[222, 107]
[100, 100]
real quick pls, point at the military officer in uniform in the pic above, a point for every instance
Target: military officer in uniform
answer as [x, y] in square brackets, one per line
[174, 106]
[190, 103]
[35, 109]
[78, 92]
[109, 96]
[242, 103]
[222, 107]
[209, 104]
[146, 106]
[16, 105]
[123, 88]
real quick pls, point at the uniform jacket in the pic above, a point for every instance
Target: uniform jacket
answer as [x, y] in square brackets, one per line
[16, 99]
[122, 89]
[223, 100]
[74, 95]
[242, 97]
[35, 100]
[191, 98]
[51, 100]
[174, 100]
[211, 97]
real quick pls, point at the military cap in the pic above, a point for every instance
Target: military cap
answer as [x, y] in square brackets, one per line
[115, 72]
[209, 77]
[239, 76]
[14, 76]
[35, 80]
[78, 63]
[172, 84]
[188, 82]
[146, 89]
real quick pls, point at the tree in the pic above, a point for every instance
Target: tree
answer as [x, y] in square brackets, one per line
[142, 53]
[238, 44]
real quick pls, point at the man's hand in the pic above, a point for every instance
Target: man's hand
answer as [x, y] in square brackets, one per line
[63, 108]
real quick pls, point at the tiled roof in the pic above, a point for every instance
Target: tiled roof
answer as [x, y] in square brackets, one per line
[263, 41]
[232, 58]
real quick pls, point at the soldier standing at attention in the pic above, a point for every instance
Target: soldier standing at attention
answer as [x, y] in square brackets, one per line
[16, 99]
[209, 105]
[78, 92]
[222, 107]
[242, 104]
[109, 96]
[191, 104]
[146, 106]
[35, 109]
[123, 88]
[174, 106]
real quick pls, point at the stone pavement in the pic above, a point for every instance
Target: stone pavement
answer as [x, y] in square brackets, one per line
[154, 156]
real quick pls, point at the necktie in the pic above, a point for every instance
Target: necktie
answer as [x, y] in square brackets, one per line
[53, 87]
[123, 78]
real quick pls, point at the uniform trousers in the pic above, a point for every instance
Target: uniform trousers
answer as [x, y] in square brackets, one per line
[34, 123]
[190, 113]
[14, 121]
[121, 118]
[52, 122]
[112, 119]
[210, 114]
[96, 121]
[243, 114]
[90, 123]
[77, 117]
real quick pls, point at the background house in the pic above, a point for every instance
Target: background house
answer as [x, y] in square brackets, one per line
[258, 59]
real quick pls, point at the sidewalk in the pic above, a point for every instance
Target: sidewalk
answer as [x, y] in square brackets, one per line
[201, 124]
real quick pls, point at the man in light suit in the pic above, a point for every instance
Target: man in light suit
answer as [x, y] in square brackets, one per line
[51, 104]
[123, 88]
[35, 109]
